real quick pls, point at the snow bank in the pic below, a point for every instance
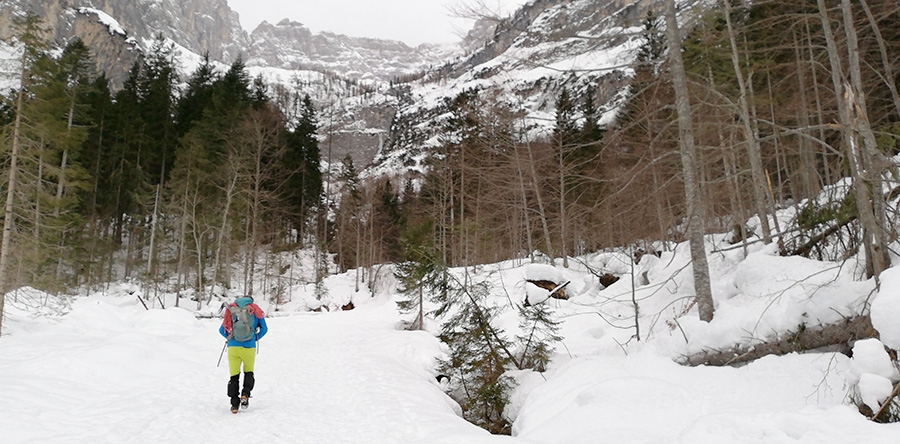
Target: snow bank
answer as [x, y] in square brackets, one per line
[886, 308]
[644, 398]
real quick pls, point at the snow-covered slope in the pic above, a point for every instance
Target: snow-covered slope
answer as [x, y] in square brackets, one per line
[110, 371]
[543, 47]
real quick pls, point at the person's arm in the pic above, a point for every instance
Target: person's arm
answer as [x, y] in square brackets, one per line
[263, 328]
[225, 328]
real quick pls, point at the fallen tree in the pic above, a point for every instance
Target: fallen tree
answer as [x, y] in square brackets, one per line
[804, 339]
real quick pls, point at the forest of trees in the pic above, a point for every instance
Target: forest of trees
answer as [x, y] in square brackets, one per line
[179, 179]
[765, 106]
[175, 181]
[157, 181]
[783, 99]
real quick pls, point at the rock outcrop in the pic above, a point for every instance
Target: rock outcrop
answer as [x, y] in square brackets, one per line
[291, 45]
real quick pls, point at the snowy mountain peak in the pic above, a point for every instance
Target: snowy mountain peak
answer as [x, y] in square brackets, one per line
[523, 59]
[290, 45]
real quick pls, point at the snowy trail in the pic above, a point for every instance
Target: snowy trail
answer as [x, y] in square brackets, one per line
[111, 372]
[119, 374]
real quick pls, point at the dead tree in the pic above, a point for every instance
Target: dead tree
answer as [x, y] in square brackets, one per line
[801, 340]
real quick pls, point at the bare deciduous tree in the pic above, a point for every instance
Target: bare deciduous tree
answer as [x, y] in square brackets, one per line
[695, 224]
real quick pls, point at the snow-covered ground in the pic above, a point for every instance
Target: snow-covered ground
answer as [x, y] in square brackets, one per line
[109, 371]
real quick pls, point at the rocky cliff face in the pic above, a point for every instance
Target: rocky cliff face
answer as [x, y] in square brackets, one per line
[117, 30]
[200, 26]
[395, 90]
[210, 26]
[545, 46]
[290, 45]
[113, 52]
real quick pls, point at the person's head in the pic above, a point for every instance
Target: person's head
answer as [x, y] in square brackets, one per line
[243, 301]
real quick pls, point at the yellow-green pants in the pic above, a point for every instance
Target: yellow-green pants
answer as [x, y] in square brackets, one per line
[240, 355]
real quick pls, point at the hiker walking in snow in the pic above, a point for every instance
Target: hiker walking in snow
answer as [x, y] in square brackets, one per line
[243, 324]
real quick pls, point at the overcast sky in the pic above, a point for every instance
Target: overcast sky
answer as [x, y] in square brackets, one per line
[411, 21]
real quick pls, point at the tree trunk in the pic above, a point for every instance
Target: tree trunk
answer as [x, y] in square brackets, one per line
[752, 142]
[695, 225]
[540, 202]
[229, 196]
[524, 195]
[804, 339]
[179, 269]
[153, 223]
[563, 241]
[874, 163]
[6, 243]
[808, 170]
[846, 103]
[820, 113]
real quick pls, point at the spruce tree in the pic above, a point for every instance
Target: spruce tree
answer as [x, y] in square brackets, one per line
[96, 158]
[158, 83]
[302, 191]
[565, 132]
[539, 332]
[349, 218]
[479, 354]
[28, 33]
[421, 272]
[59, 103]
[123, 157]
[196, 98]
[590, 131]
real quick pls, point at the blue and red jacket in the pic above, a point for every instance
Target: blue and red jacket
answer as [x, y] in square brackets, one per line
[258, 319]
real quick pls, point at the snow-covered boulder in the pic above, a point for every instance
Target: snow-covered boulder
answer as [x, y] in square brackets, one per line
[542, 282]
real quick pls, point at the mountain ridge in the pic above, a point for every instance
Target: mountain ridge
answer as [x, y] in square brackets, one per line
[525, 58]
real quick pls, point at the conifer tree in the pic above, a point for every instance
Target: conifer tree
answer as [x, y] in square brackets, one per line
[230, 173]
[349, 220]
[97, 161]
[122, 158]
[28, 33]
[421, 271]
[590, 132]
[59, 104]
[479, 354]
[159, 80]
[539, 333]
[302, 191]
[565, 132]
[197, 97]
